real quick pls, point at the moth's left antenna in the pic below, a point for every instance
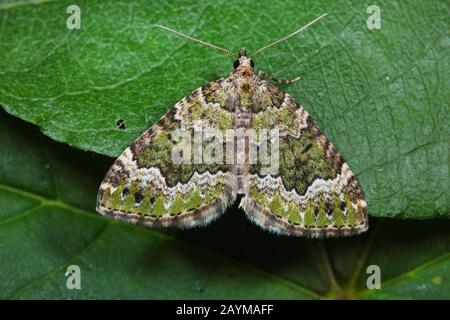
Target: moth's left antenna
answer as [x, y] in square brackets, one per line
[196, 40]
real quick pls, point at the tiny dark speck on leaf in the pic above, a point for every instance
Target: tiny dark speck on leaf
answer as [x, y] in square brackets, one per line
[201, 290]
[120, 124]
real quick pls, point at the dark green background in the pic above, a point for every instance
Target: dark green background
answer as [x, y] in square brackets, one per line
[381, 96]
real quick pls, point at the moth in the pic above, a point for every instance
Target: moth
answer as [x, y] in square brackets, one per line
[313, 192]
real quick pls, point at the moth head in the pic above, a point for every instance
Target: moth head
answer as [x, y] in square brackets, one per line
[244, 64]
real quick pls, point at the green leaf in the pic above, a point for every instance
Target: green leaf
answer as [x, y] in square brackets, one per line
[379, 95]
[47, 192]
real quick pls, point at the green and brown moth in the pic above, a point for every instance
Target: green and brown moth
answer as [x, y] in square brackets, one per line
[313, 192]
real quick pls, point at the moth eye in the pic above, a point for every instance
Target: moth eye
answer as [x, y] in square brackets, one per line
[236, 64]
[252, 64]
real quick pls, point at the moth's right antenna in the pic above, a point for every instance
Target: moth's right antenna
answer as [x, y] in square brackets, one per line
[196, 40]
[290, 35]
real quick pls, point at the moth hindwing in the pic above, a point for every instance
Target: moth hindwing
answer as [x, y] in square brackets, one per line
[310, 191]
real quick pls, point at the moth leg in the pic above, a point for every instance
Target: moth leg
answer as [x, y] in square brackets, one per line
[263, 74]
